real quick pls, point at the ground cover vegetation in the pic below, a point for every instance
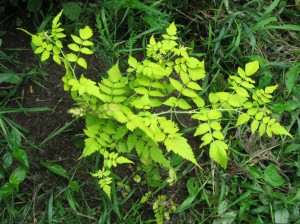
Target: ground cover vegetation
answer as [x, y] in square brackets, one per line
[155, 112]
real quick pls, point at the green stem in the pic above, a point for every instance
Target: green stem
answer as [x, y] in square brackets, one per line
[178, 112]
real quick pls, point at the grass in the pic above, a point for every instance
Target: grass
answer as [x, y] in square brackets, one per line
[122, 25]
[261, 184]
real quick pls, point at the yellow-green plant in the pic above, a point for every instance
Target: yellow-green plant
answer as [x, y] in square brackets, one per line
[162, 209]
[133, 113]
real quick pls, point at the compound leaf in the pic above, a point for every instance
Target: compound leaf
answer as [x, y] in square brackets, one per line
[252, 111]
[251, 68]
[243, 118]
[277, 129]
[57, 59]
[189, 93]
[141, 90]
[86, 50]
[168, 126]
[194, 85]
[170, 102]
[215, 125]
[152, 41]
[132, 62]
[91, 146]
[207, 139]
[82, 62]
[202, 129]
[171, 30]
[214, 114]
[254, 126]
[114, 73]
[45, 55]
[223, 96]
[180, 146]
[74, 47]
[262, 129]
[157, 156]
[76, 39]
[37, 40]
[71, 57]
[218, 135]
[87, 43]
[107, 190]
[176, 84]
[122, 159]
[39, 50]
[121, 132]
[56, 19]
[241, 91]
[181, 103]
[198, 101]
[85, 33]
[236, 100]
[217, 152]
[213, 98]
[119, 99]
[131, 141]
[270, 89]
[118, 92]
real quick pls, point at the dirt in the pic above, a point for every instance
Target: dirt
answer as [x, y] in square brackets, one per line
[44, 89]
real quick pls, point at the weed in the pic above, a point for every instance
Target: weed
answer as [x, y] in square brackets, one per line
[109, 120]
[260, 184]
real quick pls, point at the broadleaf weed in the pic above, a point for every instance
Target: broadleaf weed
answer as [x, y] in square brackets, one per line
[125, 113]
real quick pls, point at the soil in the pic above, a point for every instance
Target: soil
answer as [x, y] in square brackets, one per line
[45, 91]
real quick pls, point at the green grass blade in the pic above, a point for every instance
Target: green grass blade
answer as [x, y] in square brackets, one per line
[50, 208]
[3, 127]
[283, 27]
[210, 33]
[135, 4]
[251, 36]
[235, 43]
[269, 10]
[105, 214]
[106, 28]
[25, 110]
[60, 130]
[218, 40]
[242, 198]
[261, 25]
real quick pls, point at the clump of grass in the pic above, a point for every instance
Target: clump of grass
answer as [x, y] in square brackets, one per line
[122, 26]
